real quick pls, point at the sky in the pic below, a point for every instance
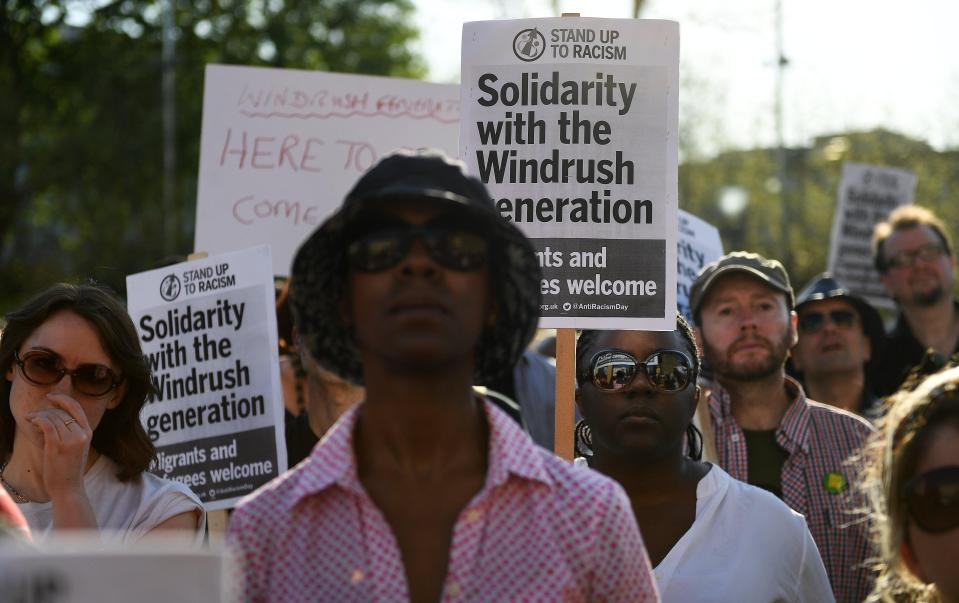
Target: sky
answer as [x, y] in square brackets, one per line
[852, 64]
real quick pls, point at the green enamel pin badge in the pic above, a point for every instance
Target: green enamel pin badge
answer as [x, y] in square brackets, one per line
[834, 482]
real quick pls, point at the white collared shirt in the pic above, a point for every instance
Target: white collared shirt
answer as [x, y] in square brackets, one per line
[745, 545]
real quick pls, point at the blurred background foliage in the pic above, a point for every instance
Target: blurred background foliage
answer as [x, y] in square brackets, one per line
[81, 134]
[81, 127]
[790, 217]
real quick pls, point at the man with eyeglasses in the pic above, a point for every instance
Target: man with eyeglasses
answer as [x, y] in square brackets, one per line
[840, 335]
[767, 433]
[913, 253]
[417, 288]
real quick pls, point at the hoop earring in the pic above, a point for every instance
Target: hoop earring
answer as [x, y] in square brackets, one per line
[583, 439]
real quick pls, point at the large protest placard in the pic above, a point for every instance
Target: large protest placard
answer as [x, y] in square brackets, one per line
[280, 148]
[76, 570]
[699, 244]
[571, 123]
[867, 195]
[208, 329]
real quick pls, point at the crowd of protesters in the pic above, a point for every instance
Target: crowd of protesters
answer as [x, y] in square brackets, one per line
[779, 448]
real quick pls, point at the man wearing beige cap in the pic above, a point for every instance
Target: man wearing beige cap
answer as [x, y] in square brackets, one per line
[766, 431]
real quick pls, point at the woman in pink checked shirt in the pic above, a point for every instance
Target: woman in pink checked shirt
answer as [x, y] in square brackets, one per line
[417, 288]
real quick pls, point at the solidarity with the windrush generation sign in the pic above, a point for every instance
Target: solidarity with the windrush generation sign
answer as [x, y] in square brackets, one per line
[280, 148]
[208, 331]
[571, 123]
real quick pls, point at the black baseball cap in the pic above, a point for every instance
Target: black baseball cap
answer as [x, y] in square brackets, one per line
[770, 272]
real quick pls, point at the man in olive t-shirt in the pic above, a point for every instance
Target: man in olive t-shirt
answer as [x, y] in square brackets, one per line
[765, 460]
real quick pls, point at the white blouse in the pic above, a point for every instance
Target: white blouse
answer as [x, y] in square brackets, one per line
[125, 511]
[745, 545]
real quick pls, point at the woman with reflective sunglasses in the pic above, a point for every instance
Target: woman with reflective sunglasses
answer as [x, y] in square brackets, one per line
[73, 453]
[709, 537]
[914, 490]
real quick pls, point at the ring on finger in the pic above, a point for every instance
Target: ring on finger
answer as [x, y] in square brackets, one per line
[70, 421]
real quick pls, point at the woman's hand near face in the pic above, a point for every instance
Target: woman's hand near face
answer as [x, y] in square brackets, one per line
[66, 443]
[66, 448]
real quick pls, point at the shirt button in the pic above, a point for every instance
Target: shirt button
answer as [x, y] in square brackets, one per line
[473, 515]
[455, 590]
[357, 576]
[735, 437]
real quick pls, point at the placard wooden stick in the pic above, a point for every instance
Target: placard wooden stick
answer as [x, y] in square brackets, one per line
[565, 392]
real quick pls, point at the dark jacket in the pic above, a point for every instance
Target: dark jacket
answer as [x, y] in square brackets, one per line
[903, 351]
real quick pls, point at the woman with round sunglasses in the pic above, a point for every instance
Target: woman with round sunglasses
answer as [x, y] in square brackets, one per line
[914, 489]
[709, 536]
[73, 453]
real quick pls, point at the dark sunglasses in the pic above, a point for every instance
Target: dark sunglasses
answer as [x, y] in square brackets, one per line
[46, 368]
[811, 322]
[383, 245]
[932, 499]
[613, 371]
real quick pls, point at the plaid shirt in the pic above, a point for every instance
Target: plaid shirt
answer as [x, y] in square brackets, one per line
[539, 530]
[817, 480]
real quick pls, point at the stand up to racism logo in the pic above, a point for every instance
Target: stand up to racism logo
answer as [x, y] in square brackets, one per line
[170, 287]
[529, 45]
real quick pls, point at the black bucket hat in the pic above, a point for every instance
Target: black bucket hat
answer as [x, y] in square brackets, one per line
[825, 286]
[320, 267]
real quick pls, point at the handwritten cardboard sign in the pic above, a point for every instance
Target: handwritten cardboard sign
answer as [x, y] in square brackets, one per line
[208, 330]
[867, 195]
[572, 124]
[280, 148]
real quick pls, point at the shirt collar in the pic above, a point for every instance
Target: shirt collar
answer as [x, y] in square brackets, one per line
[333, 462]
[794, 427]
[793, 430]
[719, 402]
[511, 451]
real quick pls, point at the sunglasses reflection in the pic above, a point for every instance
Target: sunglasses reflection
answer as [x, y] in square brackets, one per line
[615, 370]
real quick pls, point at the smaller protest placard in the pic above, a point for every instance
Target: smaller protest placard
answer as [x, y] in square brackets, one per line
[867, 195]
[81, 570]
[698, 244]
[208, 330]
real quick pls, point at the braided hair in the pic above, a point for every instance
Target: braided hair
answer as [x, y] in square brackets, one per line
[586, 341]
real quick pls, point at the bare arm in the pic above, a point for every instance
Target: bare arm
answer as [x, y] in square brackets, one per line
[181, 528]
[187, 520]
